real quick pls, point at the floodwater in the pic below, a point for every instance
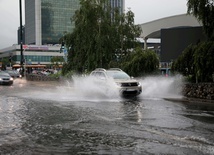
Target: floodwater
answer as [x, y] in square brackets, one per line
[57, 118]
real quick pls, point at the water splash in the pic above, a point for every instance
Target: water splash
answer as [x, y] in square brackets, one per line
[162, 87]
[88, 89]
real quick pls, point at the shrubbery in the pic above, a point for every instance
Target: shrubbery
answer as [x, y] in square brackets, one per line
[197, 62]
[139, 62]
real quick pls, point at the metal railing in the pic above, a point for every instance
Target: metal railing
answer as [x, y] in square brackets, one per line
[36, 77]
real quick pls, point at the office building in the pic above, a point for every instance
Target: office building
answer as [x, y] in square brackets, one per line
[118, 3]
[46, 21]
[23, 33]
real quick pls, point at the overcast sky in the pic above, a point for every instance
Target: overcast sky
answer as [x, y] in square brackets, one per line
[144, 10]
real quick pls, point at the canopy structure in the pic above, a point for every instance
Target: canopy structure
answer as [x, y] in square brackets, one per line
[29, 66]
[153, 29]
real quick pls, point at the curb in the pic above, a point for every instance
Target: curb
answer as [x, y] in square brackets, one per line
[190, 100]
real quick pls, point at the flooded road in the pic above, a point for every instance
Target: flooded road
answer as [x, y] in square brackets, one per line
[77, 118]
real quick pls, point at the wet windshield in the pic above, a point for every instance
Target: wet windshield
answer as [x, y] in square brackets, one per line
[118, 75]
[10, 71]
[3, 73]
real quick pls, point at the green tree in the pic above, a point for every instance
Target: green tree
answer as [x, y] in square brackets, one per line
[101, 33]
[204, 11]
[57, 60]
[184, 64]
[139, 62]
[5, 62]
[204, 61]
[196, 62]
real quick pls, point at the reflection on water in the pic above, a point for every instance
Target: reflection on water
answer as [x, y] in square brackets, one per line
[61, 120]
[200, 112]
[132, 110]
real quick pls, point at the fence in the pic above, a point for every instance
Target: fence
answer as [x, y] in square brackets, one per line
[36, 77]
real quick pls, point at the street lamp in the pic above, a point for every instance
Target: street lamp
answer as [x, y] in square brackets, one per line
[21, 38]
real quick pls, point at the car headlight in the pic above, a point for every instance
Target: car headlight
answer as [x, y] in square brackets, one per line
[11, 79]
[118, 84]
[1, 79]
[139, 84]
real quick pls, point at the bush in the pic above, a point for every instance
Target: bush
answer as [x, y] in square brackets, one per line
[56, 75]
[196, 62]
[140, 62]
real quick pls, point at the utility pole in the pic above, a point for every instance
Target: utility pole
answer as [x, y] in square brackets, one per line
[21, 39]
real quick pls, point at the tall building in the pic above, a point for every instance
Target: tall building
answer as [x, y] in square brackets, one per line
[23, 33]
[118, 3]
[47, 20]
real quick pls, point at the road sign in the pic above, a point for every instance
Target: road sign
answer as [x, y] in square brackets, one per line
[25, 46]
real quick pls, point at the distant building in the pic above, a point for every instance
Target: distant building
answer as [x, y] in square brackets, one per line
[46, 21]
[175, 33]
[33, 54]
[175, 40]
[23, 33]
[118, 3]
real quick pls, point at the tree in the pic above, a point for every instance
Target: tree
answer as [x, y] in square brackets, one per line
[197, 62]
[57, 60]
[101, 33]
[204, 11]
[5, 62]
[139, 62]
[184, 64]
[204, 61]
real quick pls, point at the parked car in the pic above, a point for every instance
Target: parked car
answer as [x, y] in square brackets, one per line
[126, 85]
[14, 73]
[5, 78]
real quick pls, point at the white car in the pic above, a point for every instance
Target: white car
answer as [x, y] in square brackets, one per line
[126, 85]
[5, 78]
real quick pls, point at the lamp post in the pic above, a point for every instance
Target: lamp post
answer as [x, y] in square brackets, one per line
[21, 38]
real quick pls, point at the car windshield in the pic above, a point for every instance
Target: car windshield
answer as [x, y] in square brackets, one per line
[118, 75]
[10, 72]
[3, 74]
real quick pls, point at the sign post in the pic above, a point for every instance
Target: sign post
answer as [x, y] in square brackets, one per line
[21, 39]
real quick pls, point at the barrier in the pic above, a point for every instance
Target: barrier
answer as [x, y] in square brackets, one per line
[36, 77]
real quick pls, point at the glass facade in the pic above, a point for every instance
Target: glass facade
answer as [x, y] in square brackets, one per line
[118, 3]
[30, 22]
[34, 58]
[56, 19]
